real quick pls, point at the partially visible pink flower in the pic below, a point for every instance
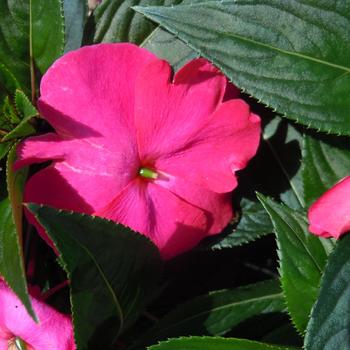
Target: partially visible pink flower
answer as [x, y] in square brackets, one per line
[54, 331]
[136, 145]
[329, 216]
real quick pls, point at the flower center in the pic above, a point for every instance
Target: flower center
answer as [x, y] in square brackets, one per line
[148, 173]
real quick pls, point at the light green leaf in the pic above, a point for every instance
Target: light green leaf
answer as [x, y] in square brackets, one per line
[166, 46]
[112, 270]
[292, 55]
[214, 343]
[218, 312]
[326, 160]
[27, 111]
[11, 258]
[329, 325]
[302, 260]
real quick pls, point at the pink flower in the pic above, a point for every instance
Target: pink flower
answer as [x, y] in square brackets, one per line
[135, 145]
[54, 331]
[329, 216]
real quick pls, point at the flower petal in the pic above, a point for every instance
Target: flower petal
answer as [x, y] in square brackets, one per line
[54, 331]
[166, 113]
[329, 216]
[93, 88]
[173, 224]
[222, 146]
[219, 205]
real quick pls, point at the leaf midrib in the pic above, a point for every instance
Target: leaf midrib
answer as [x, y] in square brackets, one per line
[215, 309]
[108, 285]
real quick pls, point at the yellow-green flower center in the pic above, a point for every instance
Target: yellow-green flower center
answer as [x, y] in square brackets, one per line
[148, 173]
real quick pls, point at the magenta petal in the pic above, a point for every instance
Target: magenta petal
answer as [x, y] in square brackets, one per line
[223, 145]
[54, 331]
[329, 216]
[166, 113]
[216, 206]
[173, 224]
[94, 88]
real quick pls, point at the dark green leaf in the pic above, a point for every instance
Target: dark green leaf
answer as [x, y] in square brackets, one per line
[254, 223]
[5, 148]
[113, 272]
[218, 312]
[329, 325]
[75, 12]
[30, 28]
[214, 343]
[8, 83]
[326, 160]
[27, 111]
[11, 259]
[116, 21]
[293, 55]
[47, 32]
[284, 141]
[302, 259]
[8, 115]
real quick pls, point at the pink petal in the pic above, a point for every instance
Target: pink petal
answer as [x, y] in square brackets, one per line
[93, 88]
[217, 206]
[329, 216]
[173, 224]
[166, 113]
[222, 146]
[54, 331]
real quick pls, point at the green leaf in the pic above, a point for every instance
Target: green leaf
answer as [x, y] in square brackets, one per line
[302, 259]
[166, 46]
[5, 148]
[75, 12]
[284, 142]
[292, 55]
[11, 258]
[211, 343]
[32, 37]
[8, 83]
[329, 325]
[113, 272]
[254, 223]
[27, 111]
[47, 32]
[218, 312]
[326, 160]
[116, 21]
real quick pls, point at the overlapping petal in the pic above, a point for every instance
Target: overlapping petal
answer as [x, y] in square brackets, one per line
[168, 113]
[223, 144]
[54, 331]
[329, 216]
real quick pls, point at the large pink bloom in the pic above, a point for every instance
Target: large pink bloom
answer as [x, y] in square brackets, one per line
[135, 145]
[329, 216]
[54, 331]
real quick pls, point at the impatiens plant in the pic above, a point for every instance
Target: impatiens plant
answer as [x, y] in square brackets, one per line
[174, 173]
